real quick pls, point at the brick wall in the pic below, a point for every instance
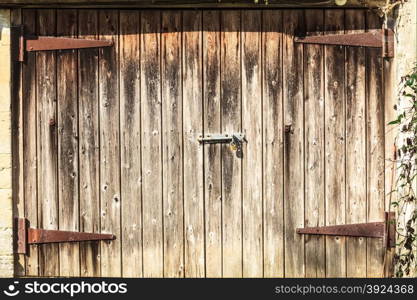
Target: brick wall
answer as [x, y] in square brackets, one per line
[6, 231]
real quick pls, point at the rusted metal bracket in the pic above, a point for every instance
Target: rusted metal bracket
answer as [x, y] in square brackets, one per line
[30, 236]
[383, 39]
[385, 230]
[30, 43]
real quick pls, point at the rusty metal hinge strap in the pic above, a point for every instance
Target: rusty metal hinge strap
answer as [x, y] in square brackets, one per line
[32, 236]
[39, 43]
[30, 43]
[383, 39]
[385, 230]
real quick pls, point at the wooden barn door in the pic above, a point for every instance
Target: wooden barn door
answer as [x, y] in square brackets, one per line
[107, 141]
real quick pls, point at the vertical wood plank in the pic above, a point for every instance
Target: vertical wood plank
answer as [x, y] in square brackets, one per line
[172, 146]
[390, 100]
[315, 259]
[29, 116]
[131, 187]
[193, 151]
[252, 126]
[67, 123]
[47, 144]
[335, 145]
[375, 150]
[109, 143]
[273, 150]
[151, 144]
[17, 143]
[89, 146]
[355, 146]
[231, 122]
[212, 152]
[293, 143]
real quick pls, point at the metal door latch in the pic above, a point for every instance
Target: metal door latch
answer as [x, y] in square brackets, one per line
[235, 140]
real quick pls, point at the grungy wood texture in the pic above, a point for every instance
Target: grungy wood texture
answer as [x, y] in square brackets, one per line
[212, 153]
[375, 152]
[29, 116]
[231, 121]
[273, 144]
[252, 203]
[193, 151]
[335, 136]
[47, 144]
[151, 116]
[89, 145]
[67, 89]
[130, 131]
[293, 25]
[390, 135]
[110, 143]
[314, 106]
[197, 4]
[355, 146]
[172, 144]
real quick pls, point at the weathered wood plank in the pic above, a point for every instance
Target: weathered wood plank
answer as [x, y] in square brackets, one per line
[231, 122]
[315, 259]
[89, 156]
[390, 100]
[67, 106]
[212, 152]
[196, 3]
[273, 144]
[109, 143]
[151, 144]
[375, 151]
[293, 143]
[130, 143]
[47, 144]
[193, 151]
[172, 146]
[29, 116]
[335, 112]
[17, 144]
[355, 146]
[252, 126]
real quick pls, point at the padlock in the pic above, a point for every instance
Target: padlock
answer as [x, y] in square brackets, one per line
[233, 146]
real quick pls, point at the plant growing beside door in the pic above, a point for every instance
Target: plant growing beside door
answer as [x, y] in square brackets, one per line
[405, 188]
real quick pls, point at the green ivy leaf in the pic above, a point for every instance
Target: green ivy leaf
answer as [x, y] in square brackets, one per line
[398, 121]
